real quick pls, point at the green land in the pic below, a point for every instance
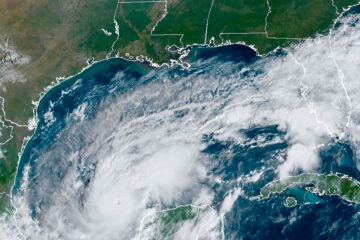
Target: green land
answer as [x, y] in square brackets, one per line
[164, 224]
[59, 36]
[290, 202]
[343, 186]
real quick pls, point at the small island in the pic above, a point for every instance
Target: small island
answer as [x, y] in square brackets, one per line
[290, 202]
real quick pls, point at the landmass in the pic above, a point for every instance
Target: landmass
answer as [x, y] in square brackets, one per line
[164, 224]
[42, 42]
[319, 184]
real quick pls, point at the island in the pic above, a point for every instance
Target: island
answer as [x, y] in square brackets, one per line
[319, 184]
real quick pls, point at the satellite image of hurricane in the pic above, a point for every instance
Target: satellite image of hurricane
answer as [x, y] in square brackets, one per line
[179, 120]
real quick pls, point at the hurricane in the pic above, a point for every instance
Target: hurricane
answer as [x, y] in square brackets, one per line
[125, 150]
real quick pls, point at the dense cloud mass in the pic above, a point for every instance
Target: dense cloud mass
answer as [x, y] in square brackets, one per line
[144, 149]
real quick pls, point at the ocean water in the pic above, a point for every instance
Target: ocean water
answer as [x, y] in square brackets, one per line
[122, 140]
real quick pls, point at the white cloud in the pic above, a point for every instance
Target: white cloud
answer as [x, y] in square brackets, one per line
[8, 71]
